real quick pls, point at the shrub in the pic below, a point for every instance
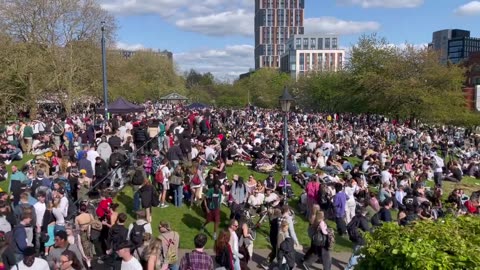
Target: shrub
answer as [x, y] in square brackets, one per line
[450, 243]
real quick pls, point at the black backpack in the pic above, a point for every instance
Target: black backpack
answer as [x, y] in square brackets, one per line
[72, 210]
[352, 229]
[376, 219]
[322, 197]
[136, 234]
[138, 177]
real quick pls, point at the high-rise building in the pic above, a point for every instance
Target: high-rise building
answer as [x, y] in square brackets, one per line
[312, 53]
[275, 22]
[454, 45]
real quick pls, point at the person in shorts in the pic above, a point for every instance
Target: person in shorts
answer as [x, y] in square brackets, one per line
[212, 205]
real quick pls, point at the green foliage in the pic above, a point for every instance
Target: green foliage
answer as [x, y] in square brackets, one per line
[401, 82]
[451, 243]
[144, 76]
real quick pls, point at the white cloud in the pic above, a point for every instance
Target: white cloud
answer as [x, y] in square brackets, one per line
[383, 3]
[220, 24]
[129, 47]
[210, 17]
[337, 26]
[225, 63]
[469, 9]
[135, 7]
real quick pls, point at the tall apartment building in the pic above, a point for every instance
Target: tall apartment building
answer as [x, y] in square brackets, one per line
[312, 53]
[454, 45]
[275, 22]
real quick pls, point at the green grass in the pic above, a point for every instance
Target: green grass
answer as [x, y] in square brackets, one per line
[189, 221]
[19, 164]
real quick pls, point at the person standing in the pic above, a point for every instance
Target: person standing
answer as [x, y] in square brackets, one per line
[198, 259]
[234, 244]
[223, 251]
[350, 191]
[212, 206]
[312, 188]
[319, 227]
[129, 262]
[339, 204]
[27, 137]
[30, 262]
[20, 236]
[170, 242]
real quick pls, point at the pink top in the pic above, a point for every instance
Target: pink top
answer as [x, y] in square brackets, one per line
[312, 189]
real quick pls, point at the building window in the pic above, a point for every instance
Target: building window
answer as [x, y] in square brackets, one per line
[298, 43]
[320, 43]
[334, 43]
[313, 43]
[302, 61]
[305, 43]
[327, 43]
[320, 61]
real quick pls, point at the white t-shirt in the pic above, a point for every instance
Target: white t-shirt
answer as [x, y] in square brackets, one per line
[39, 263]
[386, 177]
[39, 212]
[132, 264]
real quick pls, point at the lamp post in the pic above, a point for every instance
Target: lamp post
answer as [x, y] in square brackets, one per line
[285, 101]
[104, 71]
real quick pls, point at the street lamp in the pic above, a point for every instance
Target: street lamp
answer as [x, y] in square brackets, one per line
[104, 70]
[285, 102]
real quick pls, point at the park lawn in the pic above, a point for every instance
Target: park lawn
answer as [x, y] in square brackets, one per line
[20, 163]
[189, 221]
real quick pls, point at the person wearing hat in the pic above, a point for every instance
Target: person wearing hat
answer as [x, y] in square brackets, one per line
[129, 262]
[30, 262]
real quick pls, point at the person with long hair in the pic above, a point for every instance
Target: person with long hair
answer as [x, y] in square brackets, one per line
[223, 251]
[69, 261]
[83, 222]
[154, 254]
[196, 184]
[318, 226]
[238, 195]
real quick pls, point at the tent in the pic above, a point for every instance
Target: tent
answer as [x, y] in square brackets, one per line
[196, 106]
[122, 106]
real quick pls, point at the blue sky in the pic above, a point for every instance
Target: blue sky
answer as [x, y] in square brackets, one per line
[217, 35]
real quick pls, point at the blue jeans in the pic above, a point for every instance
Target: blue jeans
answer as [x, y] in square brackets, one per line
[136, 198]
[173, 267]
[59, 228]
[177, 194]
[236, 264]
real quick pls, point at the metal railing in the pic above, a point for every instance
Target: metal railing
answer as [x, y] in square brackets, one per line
[114, 172]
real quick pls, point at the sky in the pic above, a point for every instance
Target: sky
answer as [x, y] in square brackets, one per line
[217, 36]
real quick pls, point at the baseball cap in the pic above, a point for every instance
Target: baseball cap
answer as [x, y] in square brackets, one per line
[122, 245]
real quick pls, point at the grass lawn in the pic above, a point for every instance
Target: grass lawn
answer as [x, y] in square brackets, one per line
[189, 221]
[4, 185]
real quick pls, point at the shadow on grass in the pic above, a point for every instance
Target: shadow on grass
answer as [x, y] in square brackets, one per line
[192, 221]
[127, 201]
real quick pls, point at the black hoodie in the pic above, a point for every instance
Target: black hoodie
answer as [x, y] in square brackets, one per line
[117, 234]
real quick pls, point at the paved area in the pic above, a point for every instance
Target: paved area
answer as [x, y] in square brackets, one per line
[339, 260]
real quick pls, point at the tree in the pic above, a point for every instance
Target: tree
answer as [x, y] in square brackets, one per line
[325, 91]
[54, 28]
[405, 82]
[144, 76]
[263, 87]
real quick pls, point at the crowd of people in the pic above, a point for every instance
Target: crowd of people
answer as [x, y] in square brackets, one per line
[59, 211]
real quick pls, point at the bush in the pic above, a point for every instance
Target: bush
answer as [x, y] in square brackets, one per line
[450, 243]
